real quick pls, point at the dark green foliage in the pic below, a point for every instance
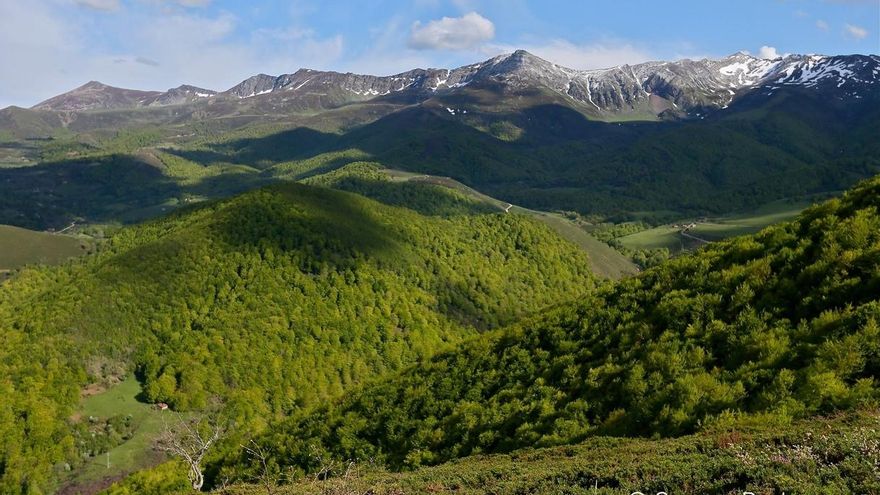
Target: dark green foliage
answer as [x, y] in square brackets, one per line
[793, 144]
[783, 322]
[368, 180]
[276, 300]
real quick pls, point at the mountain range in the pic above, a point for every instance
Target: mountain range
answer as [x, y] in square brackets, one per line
[658, 141]
[682, 88]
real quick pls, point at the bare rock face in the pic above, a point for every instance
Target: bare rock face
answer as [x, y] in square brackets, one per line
[661, 89]
[252, 86]
[182, 94]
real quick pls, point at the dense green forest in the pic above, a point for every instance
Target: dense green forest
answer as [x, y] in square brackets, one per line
[275, 301]
[775, 326]
[367, 179]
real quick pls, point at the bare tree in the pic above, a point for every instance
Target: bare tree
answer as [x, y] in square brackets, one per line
[190, 440]
[266, 478]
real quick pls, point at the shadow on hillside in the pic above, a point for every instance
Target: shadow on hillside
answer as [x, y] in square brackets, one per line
[317, 230]
[100, 190]
[425, 198]
[424, 139]
[328, 226]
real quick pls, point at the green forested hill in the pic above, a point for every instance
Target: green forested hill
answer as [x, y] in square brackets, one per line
[779, 325]
[275, 301]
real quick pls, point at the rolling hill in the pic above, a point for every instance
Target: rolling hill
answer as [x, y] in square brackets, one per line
[274, 300]
[758, 330]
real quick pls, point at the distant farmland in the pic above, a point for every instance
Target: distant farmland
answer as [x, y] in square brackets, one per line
[19, 247]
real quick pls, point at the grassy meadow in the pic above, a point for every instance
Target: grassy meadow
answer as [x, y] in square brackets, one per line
[20, 247]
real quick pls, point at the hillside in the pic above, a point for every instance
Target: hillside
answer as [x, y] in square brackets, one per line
[275, 301]
[771, 458]
[765, 328]
[434, 195]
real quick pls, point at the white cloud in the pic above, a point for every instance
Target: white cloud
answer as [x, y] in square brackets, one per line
[38, 49]
[822, 25]
[856, 32]
[597, 55]
[155, 49]
[452, 33]
[103, 5]
[768, 53]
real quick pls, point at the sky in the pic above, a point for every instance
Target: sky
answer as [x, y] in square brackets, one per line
[51, 46]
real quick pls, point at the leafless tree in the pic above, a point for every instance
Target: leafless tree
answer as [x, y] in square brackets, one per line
[266, 478]
[190, 440]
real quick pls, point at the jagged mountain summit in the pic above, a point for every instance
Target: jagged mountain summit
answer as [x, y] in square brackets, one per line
[683, 87]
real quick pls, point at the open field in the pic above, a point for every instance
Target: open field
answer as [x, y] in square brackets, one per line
[19, 247]
[750, 223]
[135, 453]
[605, 261]
[714, 229]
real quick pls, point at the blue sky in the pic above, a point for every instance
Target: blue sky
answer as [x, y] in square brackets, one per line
[50, 46]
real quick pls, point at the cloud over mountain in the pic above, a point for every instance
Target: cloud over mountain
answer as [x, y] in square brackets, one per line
[452, 33]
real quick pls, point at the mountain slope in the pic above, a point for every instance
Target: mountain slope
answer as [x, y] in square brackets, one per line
[98, 96]
[515, 127]
[764, 147]
[782, 324]
[275, 300]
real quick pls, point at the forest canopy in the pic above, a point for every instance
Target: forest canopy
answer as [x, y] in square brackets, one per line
[275, 301]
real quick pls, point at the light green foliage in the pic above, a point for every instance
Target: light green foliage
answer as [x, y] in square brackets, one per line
[276, 300]
[421, 192]
[166, 479]
[319, 164]
[783, 322]
[368, 179]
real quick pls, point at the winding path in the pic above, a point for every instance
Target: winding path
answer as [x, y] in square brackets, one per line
[689, 236]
